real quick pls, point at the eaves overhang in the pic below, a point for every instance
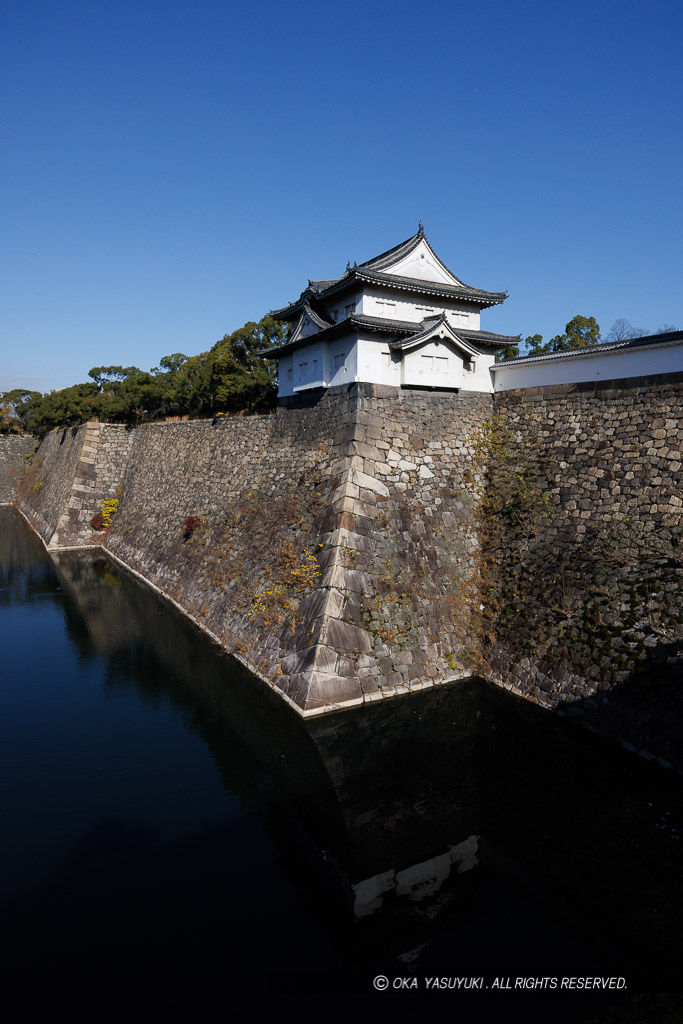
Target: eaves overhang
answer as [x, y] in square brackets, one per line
[402, 333]
[407, 285]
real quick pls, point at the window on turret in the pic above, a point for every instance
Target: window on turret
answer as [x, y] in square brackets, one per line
[339, 360]
[303, 370]
[290, 374]
[315, 367]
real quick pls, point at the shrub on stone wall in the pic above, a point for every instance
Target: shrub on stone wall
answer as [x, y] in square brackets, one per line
[190, 525]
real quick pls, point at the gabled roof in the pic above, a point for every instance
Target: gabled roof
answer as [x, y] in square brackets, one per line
[378, 271]
[434, 327]
[391, 260]
[307, 313]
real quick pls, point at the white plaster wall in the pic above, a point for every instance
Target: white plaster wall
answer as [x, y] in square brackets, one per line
[348, 373]
[285, 386]
[421, 264]
[309, 366]
[376, 364]
[424, 367]
[339, 307]
[392, 306]
[308, 327]
[433, 365]
[592, 365]
[480, 379]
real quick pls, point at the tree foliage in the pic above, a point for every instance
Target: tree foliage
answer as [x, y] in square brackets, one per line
[581, 332]
[231, 377]
[14, 407]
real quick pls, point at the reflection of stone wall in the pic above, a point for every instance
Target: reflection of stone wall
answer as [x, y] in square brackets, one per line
[13, 449]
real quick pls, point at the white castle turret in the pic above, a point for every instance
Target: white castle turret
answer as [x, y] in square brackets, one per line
[402, 319]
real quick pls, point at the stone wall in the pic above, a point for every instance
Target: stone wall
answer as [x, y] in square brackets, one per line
[586, 605]
[75, 470]
[348, 548]
[278, 534]
[14, 448]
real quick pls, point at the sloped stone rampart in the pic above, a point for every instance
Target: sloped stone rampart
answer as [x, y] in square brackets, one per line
[291, 559]
[74, 471]
[45, 488]
[14, 448]
[98, 477]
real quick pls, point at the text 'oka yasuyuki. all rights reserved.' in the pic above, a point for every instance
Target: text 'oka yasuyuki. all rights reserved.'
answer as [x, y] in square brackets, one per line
[382, 983]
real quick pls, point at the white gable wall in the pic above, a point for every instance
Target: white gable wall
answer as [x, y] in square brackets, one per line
[443, 366]
[308, 327]
[421, 264]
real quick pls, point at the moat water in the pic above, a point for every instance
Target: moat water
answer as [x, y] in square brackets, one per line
[177, 844]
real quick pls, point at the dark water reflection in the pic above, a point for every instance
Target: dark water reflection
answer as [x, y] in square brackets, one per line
[178, 844]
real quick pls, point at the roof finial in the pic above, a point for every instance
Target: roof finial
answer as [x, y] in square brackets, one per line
[421, 229]
[348, 265]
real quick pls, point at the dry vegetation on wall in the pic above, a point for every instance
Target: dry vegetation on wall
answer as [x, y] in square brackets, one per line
[512, 479]
[422, 571]
[33, 478]
[257, 557]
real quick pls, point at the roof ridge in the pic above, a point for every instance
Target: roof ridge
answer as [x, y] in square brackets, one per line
[409, 243]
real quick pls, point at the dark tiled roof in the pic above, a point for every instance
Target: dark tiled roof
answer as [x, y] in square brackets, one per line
[321, 286]
[464, 293]
[396, 253]
[374, 272]
[372, 323]
[401, 329]
[318, 320]
[489, 338]
[599, 349]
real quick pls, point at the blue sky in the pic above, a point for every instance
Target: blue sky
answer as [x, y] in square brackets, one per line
[172, 170]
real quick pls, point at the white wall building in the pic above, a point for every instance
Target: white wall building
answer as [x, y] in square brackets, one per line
[636, 357]
[401, 319]
[404, 319]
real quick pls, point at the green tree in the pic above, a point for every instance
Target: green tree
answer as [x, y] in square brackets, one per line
[506, 352]
[231, 377]
[534, 345]
[15, 407]
[581, 332]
